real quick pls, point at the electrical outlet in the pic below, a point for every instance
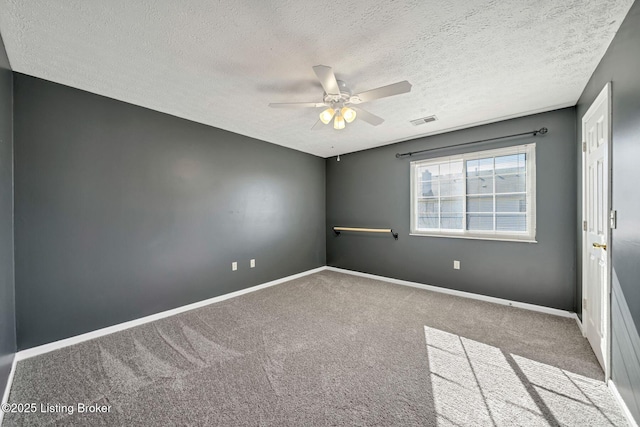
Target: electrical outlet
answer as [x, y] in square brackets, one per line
[456, 265]
[234, 266]
[252, 263]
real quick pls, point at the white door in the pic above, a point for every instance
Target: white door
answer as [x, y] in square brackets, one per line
[595, 126]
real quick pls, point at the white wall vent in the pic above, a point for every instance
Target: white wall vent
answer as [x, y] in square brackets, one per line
[423, 120]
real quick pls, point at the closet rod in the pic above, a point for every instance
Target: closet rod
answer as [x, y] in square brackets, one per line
[540, 131]
[337, 230]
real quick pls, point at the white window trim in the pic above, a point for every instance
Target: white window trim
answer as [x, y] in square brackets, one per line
[509, 236]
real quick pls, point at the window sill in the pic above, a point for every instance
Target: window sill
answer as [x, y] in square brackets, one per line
[451, 236]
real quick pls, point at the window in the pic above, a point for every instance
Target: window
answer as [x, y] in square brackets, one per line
[487, 195]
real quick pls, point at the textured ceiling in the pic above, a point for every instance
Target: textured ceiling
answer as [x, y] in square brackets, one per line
[221, 62]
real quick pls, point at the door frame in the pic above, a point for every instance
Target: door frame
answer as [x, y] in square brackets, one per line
[603, 97]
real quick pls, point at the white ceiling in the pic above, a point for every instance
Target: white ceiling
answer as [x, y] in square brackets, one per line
[221, 62]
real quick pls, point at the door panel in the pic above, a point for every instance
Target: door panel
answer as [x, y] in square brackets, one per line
[596, 208]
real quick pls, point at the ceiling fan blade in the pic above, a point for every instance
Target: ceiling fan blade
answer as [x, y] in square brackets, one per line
[318, 125]
[382, 92]
[327, 79]
[298, 105]
[368, 117]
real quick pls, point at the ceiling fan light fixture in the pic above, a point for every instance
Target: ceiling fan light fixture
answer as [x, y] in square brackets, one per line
[349, 114]
[337, 98]
[327, 115]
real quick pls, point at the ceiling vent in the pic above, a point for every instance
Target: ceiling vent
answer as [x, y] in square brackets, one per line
[423, 120]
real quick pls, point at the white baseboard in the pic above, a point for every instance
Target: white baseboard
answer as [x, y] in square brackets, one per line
[579, 322]
[7, 389]
[623, 406]
[46, 348]
[526, 306]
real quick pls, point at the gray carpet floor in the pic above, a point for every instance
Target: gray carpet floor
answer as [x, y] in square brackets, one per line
[328, 349]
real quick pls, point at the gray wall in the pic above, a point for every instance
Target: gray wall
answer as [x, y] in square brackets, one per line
[122, 212]
[371, 189]
[7, 311]
[620, 66]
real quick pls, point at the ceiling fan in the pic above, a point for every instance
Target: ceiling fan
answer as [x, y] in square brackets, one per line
[340, 105]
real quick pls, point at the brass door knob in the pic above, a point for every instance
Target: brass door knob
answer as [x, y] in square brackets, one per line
[600, 246]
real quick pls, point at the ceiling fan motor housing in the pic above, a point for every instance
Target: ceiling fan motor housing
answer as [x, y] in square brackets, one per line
[338, 100]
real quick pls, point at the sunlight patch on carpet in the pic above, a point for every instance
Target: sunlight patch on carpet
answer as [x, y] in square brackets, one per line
[478, 384]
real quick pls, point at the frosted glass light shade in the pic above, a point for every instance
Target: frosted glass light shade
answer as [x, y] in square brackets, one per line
[348, 114]
[327, 115]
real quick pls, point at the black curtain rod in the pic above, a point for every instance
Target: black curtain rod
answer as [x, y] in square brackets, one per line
[540, 131]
